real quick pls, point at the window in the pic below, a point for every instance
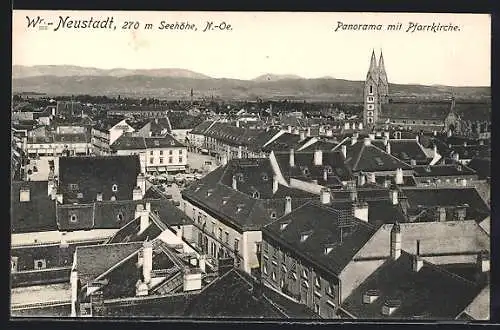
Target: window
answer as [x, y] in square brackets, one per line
[220, 233]
[161, 160]
[114, 188]
[180, 159]
[73, 218]
[40, 264]
[151, 153]
[330, 291]
[227, 237]
[180, 151]
[79, 195]
[370, 98]
[316, 308]
[369, 113]
[266, 249]
[305, 273]
[370, 120]
[13, 264]
[265, 268]
[119, 217]
[170, 152]
[151, 160]
[161, 152]
[73, 186]
[236, 244]
[273, 276]
[371, 89]
[170, 160]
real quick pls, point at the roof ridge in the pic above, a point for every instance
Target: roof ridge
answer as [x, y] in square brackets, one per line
[355, 165]
[385, 152]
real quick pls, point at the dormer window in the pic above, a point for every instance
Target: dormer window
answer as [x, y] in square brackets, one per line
[157, 143]
[305, 171]
[79, 195]
[304, 236]
[256, 194]
[119, 217]
[328, 249]
[265, 177]
[209, 192]
[240, 208]
[317, 283]
[240, 177]
[113, 198]
[390, 307]
[114, 188]
[73, 218]
[370, 296]
[224, 200]
[305, 273]
[283, 225]
[427, 168]
[329, 170]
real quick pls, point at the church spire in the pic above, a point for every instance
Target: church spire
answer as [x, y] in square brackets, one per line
[381, 66]
[373, 70]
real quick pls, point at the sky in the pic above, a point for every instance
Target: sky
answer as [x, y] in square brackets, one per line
[304, 44]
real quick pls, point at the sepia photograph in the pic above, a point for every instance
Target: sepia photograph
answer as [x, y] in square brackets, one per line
[262, 166]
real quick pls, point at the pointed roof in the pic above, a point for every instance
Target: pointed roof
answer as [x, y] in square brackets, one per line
[373, 70]
[381, 68]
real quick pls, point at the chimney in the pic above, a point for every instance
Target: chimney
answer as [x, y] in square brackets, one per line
[371, 177]
[367, 141]
[289, 129]
[302, 135]
[147, 264]
[413, 162]
[292, 158]
[325, 196]
[192, 279]
[143, 214]
[395, 241]
[318, 157]
[435, 150]
[361, 210]
[399, 176]
[456, 156]
[440, 214]
[361, 179]
[59, 198]
[435, 133]
[288, 205]
[141, 183]
[99, 197]
[235, 183]
[394, 195]
[240, 152]
[481, 142]
[417, 262]
[136, 194]
[275, 184]
[344, 150]
[463, 182]
[237, 123]
[73, 279]
[387, 183]
[371, 136]
[386, 136]
[483, 261]
[309, 131]
[24, 195]
[417, 138]
[353, 194]
[325, 174]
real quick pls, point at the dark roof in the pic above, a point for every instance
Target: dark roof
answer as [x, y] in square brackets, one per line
[201, 128]
[284, 142]
[138, 124]
[362, 157]
[39, 214]
[482, 166]
[237, 208]
[129, 142]
[383, 211]
[422, 198]
[404, 150]
[471, 151]
[321, 145]
[167, 141]
[326, 228]
[305, 169]
[232, 135]
[94, 260]
[51, 137]
[98, 175]
[418, 111]
[229, 296]
[107, 123]
[443, 170]
[431, 293]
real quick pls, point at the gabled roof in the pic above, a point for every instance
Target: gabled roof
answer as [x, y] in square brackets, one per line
[482, 166]
[167, 141]
[94, 260]
[326, 228]
[443, 170]
[201, 128]
[431, 293]
[39, 214]
[430, 111]
[404, 150]
[284, 142]
[97, 174]
[362, 157]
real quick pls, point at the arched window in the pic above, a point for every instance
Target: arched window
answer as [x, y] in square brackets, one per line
[371, 89]
[114, 188]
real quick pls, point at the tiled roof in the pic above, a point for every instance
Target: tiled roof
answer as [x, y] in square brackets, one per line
[443, 170]
[284, 142]
[421, 198]
[201, 128]
[326, 228]
[106, 124]
[94, 260]
[95, 175]
[471, 151]
[321, 145]
[418, 111]
[138, 124]
[39, 214]
[404, 150]
[238, 208]
[167, 141]
[305, 168]
[129, 142]
[60, 138]
[431, 293]
[232, 135]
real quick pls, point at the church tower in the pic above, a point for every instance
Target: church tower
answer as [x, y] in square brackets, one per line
[383, 82]
[371, 101]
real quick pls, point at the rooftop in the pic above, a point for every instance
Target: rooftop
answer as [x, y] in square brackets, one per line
[432, 111]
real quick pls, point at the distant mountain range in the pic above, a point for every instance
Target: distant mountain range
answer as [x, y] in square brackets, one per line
[177, 83]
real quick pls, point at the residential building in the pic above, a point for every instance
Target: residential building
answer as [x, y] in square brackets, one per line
[106, 132]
